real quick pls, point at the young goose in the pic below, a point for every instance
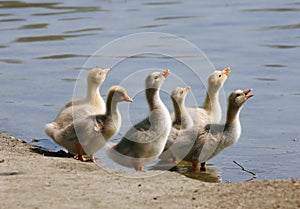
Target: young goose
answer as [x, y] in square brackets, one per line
[182, 119]
[92, 104]
[211, 111]
[145, 141]
[212, 138]
[95, 79]
[89, 134]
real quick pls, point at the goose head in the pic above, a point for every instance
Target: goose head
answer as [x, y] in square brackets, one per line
[97, 75]
[119, 94]
[155, 80]
[179, 94]
[218, 78]
[239, 97]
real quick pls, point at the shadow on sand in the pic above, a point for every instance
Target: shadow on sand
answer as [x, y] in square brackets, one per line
[45, 152]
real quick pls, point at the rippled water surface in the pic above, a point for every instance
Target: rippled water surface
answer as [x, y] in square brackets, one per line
[45, 44]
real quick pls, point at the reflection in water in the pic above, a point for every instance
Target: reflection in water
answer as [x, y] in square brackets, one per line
[272, 10]
[212, 174]
[161, 3]
[281, 46]
[84, 30]
[69, 79]
[154, 56]
[295, 94]
[20, 4]
[13, 20]
[69, 10]
[72, 18]
[152, 26]
[282, 27]
[52, 13]
[53, 6]
[44, 38]
[266, 79]
[34, 26]
[11, 61]
[62, 56]
[275, 65]
[174, 17]
[5, 14]
[72, 9]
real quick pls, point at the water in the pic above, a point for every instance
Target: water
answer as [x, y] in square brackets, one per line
[43, 47]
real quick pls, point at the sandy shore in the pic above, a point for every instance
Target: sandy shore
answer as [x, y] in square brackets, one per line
[32, 178]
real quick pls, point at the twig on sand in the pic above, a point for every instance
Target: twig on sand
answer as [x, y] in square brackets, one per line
[253, 174]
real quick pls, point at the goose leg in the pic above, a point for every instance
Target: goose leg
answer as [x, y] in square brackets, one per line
[173, 159]
[203, 166]
[195, 163]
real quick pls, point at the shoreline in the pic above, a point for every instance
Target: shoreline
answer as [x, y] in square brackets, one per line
[31, 177]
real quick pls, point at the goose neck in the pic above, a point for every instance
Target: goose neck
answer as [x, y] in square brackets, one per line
[232, 129]
[232, 118]
[153, 98]
[111, 105]
[211, 100]
[93, 92]
[179, 111]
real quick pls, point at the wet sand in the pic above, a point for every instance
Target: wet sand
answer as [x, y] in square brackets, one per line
[34, 178]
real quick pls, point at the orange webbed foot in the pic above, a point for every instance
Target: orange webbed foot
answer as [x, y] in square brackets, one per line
[92, 159]
[81, 158]
[138, 167]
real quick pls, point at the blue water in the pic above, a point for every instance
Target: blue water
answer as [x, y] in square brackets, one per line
[44, 46]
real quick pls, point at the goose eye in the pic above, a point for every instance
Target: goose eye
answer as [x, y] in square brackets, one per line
[181, 92]
[220, 75]
[238, 95]
[156, 77]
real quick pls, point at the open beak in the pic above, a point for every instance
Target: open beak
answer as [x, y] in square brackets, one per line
[246, 92]
[165, 73]
[226, 71]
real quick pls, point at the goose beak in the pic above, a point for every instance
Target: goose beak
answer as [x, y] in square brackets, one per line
[107, 70]
[226, 71]
[246, 92]
[128, 99]
[188, 88]
[165, 73]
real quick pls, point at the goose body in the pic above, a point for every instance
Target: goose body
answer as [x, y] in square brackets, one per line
[181, 121]
[79, 108]
[145, 141]
[89, 134]
[205, 142]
